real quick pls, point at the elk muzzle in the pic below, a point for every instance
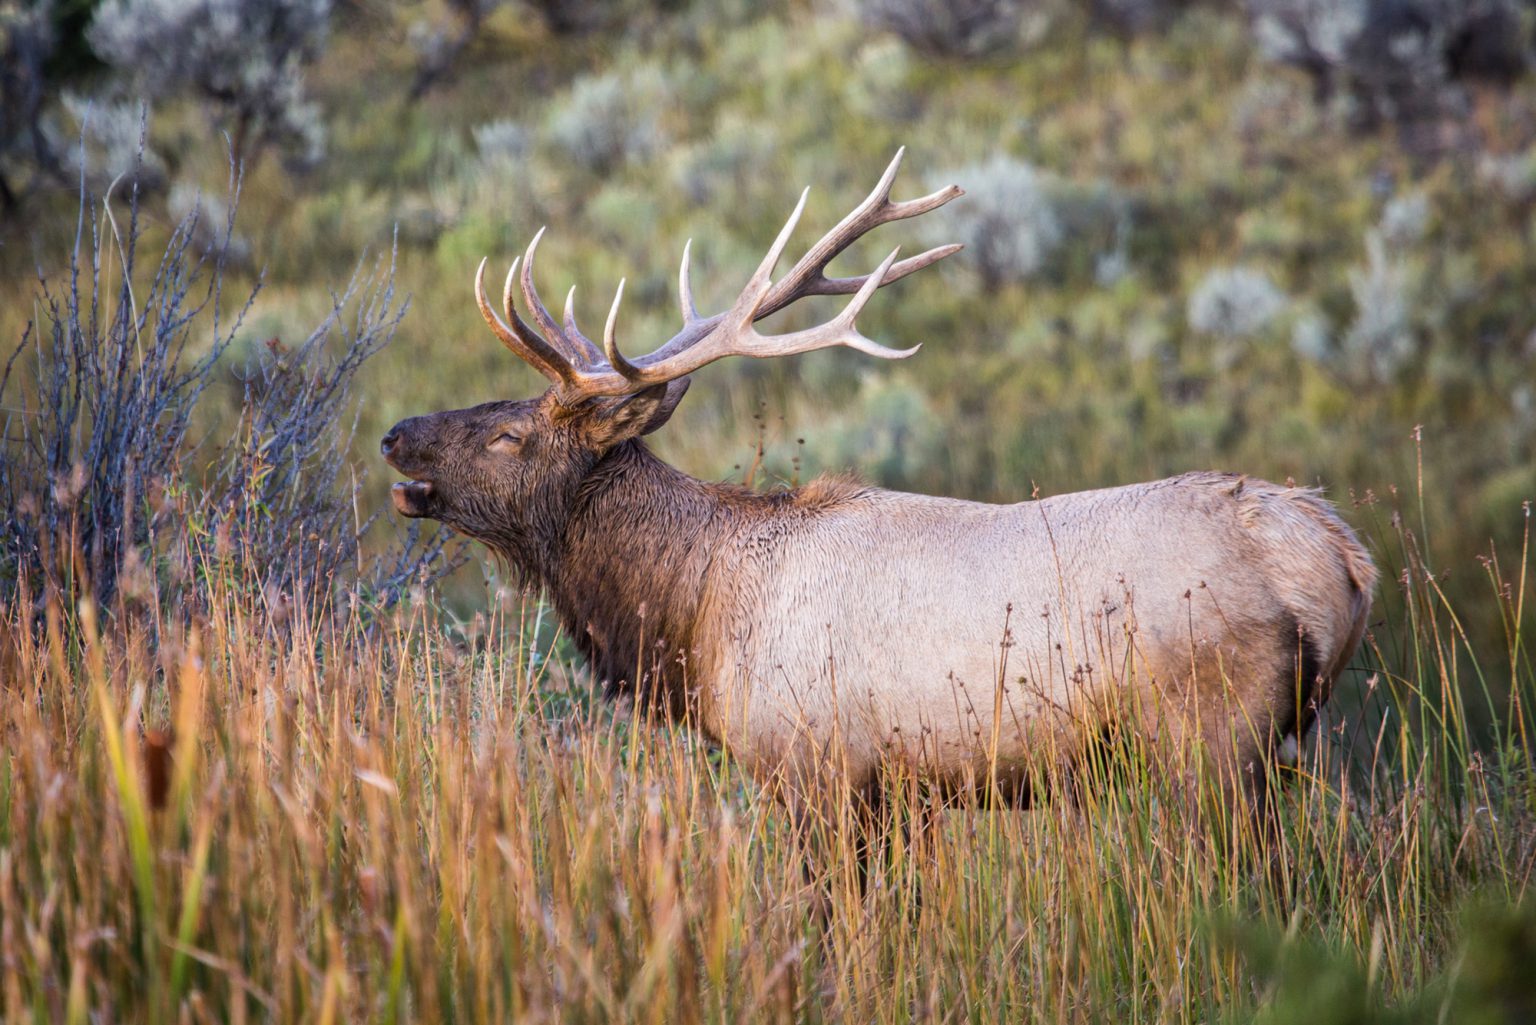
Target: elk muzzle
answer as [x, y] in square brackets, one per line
[414, 497]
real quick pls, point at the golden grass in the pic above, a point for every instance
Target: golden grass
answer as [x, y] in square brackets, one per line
[281, 812]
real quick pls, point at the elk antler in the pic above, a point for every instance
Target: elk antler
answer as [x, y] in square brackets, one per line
[581, 370]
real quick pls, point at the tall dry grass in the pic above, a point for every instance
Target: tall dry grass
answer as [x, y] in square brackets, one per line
[274, 808]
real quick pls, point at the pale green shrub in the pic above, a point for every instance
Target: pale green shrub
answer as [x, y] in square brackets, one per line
[890, 432]
[1381, 339]
[1235, 302]
[245, 58]
[722, 164]
[607, 120]
[1007, 220]
[1511, 175]
[502, 140]
[1312, 337]
[881, 85]
[107, 140]
[1405, 219]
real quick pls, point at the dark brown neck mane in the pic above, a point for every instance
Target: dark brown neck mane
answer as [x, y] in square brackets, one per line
[631, 568]
[637, 550]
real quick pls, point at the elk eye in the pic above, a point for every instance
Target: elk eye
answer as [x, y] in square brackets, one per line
[506, 443]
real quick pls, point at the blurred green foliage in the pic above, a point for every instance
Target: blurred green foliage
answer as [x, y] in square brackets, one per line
[1488, 980]
[1400, 288]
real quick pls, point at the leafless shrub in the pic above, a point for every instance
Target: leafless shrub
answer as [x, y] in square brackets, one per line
[949, 28]
[27, 41]
[100, 478]
[244, 57]
[208, 215]
[438, 45]
[1397, 62]
[1133, 16]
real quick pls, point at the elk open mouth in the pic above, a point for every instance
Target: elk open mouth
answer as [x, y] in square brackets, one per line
[412, 498]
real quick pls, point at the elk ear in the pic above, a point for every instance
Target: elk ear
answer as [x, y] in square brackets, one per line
[641, 413]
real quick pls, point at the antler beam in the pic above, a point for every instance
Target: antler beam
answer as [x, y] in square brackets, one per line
[581, 370]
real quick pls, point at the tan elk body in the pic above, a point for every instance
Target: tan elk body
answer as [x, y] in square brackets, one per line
[847, 626]
[965, 639]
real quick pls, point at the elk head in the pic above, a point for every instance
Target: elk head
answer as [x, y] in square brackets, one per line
[507, 473]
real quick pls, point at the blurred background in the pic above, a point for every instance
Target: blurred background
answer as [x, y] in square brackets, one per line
[1287, 237]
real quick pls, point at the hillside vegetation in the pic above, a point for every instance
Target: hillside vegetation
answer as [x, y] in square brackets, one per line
[264, 753]
[1113, 181]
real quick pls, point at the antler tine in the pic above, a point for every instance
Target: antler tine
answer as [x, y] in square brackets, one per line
[611, 342]
[568, 347]
[516, 336]
[761, 281]
[808, 275]
[563, 364]
[888, 178]
[685, 288]
[737, 337]
[591, 354]
[507, 305]
[841, 330]
[921, 205]
[695, 327]
[842, 286]
[850, 335]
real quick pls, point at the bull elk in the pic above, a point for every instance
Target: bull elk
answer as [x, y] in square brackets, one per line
[839, 623]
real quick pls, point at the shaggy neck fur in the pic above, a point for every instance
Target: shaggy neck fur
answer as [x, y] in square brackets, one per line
[630, 568]
[641, 539]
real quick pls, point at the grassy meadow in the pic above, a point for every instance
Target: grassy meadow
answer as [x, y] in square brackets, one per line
[261, 759]
[295, 812]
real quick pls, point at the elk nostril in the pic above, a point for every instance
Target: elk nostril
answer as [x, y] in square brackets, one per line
[388, 444]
